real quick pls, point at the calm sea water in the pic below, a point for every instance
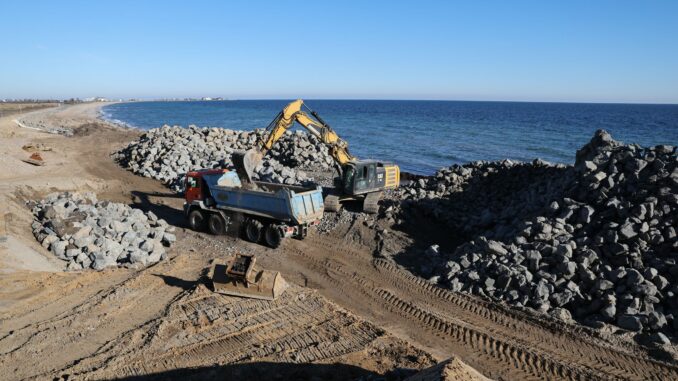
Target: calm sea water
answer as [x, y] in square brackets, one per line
[422, 136]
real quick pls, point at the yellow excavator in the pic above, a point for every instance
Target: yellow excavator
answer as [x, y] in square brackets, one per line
[357, 179]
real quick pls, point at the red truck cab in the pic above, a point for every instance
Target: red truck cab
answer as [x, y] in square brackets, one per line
[194, 187]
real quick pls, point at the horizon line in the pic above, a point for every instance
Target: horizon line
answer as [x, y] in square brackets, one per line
[226, 99]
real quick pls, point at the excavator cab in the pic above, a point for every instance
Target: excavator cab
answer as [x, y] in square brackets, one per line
[366, 176]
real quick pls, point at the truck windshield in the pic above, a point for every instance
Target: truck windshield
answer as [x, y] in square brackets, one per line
[192, 182]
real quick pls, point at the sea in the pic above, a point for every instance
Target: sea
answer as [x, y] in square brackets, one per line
[423, 136]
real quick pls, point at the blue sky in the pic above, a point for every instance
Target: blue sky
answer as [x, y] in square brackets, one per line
[590, 51]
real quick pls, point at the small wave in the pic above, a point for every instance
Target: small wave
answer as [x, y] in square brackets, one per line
[120, 123]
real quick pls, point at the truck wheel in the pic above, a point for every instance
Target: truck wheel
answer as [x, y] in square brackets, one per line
[272, 236]
[253, 230]
[216, 224]
[196, 220]
[332, 203]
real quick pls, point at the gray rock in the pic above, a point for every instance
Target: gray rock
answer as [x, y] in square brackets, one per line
[608, 312]
[452, 269]
[633, 278]
[628, 231]
[102, 260]
[561, 314]
[661, 282]
[541, 291]
[585, 214]
[564, 250]
[83, 241]
[119, 227]
[533, 258]
[59, 249]
[659, 338]
[561, 298]
[432, 250]
[168, 238]
[646, 289]
[603, 285]
[83, 232]
[657, 320]
[630, 322]
[496, 248]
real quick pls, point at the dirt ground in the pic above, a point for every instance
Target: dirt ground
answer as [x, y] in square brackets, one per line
[7, 109]
[349, 314]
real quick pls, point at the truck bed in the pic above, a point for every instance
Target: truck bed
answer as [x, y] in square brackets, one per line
[292, 204]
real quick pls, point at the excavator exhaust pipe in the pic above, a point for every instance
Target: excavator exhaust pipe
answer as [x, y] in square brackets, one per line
[239, 276]
[245, 162]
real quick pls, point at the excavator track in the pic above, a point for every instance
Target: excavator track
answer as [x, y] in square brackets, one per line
[371, 202]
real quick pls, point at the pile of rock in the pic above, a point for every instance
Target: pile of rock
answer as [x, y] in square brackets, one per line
[168, 153]
[596, 241]
[489, 198]
[88, 233]
[44, 126]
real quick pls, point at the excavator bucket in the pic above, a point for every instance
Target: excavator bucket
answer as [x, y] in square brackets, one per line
[240, 277]
[245, 162]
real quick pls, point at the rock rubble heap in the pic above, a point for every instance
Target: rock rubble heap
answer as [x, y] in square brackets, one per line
[44, 126]
[491, 198]
[87, 233]
[596, 241]
[168, 153]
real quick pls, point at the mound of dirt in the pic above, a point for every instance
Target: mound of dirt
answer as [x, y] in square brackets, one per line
[449, 370]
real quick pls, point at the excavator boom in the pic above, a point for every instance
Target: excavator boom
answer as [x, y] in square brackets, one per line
[246, 162]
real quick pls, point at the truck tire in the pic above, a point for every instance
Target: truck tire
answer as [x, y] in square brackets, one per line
[253, 230]
[196, 220]
[272, 236]
[332, 203]
[216, 224]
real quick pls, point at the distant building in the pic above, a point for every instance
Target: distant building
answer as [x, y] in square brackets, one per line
[95, 99]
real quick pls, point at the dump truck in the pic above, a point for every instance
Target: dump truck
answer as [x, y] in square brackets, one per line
[217, 201]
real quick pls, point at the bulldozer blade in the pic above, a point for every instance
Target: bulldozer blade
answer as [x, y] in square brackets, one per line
[263, 284]
[245, 162]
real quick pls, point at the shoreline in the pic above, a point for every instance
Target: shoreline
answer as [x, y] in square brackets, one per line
[63, 119]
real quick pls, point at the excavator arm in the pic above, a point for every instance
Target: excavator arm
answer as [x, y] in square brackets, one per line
[245, 163]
